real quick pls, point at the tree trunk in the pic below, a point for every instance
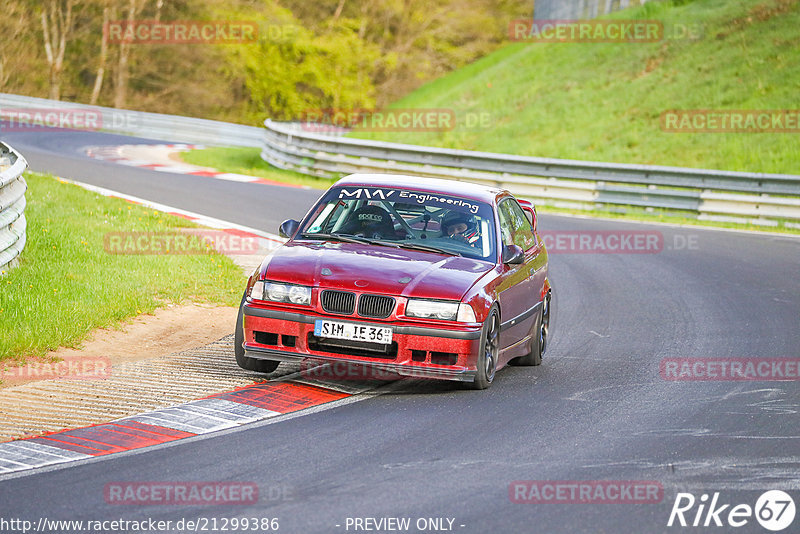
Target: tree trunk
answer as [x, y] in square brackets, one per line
[121, 89]
[101, 70]
[339, 9]
[56, 28]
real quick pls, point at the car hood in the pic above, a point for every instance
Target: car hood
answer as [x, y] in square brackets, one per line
[374, 269]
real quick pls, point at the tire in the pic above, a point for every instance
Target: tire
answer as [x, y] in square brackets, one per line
[489, 351]
[539, 337]
[246, 363]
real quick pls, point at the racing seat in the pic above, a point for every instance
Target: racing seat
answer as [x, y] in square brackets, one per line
[373, 222]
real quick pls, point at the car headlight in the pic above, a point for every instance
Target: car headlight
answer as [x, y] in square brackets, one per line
[438, 309]
[264, 290]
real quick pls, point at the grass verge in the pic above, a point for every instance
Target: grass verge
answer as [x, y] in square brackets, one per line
[67, 284]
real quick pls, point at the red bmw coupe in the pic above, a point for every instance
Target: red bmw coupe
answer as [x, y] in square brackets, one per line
[417, 276]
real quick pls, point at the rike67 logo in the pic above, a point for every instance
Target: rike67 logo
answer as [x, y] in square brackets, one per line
[774, 510]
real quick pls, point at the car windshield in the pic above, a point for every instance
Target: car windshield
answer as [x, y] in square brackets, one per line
[419, 220]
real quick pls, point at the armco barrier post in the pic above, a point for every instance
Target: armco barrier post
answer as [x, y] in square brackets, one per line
[12, 207]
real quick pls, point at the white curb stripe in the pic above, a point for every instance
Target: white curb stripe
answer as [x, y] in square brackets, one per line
[159, 158]
[228, 410]
[23, 455]
[195, 417]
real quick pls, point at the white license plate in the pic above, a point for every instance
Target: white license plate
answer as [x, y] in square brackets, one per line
[353, 331]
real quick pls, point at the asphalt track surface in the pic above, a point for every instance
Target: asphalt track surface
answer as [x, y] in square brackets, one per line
[597, 409]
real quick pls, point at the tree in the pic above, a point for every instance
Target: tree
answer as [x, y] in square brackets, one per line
[13, 25]
[56, 17]
[296, 71]
[123, 71]
[419, 40]
[101, 69]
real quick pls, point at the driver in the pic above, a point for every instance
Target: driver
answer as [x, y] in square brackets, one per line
[370, 221]
[460, 227]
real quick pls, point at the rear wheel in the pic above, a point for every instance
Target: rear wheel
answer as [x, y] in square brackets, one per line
[489, 351]
[245, 362]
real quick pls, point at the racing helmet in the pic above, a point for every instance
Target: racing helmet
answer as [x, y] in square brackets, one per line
[459, 217]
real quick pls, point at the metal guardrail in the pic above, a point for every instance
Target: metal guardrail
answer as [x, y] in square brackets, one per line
[707, 194]
[171, 128]
[12, 206]
[578, 9]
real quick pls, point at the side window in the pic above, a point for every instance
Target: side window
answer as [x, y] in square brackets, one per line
[505, 224]
[515, 225]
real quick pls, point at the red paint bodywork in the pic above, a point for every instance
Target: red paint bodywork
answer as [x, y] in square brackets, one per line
[373, 269]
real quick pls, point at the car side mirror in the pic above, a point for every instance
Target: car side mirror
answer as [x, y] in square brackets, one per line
[513, 255]
[288, 228]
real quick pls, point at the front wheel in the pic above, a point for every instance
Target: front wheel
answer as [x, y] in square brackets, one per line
[489, 351]
[245, 362]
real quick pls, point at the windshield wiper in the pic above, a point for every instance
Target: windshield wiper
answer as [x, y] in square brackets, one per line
[416, 246]
[365, 240]
[337, 237]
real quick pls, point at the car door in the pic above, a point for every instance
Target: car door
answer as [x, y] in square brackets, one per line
[535, 255]
[520, 289]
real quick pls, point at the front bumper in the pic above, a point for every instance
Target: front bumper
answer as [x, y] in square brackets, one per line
[416, 351]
